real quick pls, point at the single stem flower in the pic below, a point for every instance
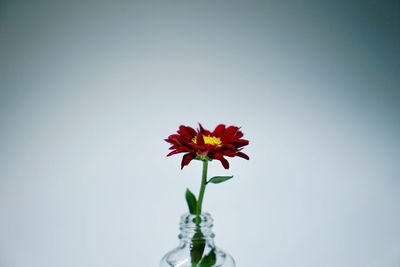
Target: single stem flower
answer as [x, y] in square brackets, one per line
[204, 145]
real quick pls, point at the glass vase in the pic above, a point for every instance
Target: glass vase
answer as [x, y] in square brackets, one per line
[196, 247]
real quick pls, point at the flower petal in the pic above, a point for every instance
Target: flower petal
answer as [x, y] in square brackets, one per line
[219, 130]
[176, 151]
[186, 159]
[199, 139]
[203, 131]
[231, 131]
[229, 153]
[242, 155]
[186, 132]
[224, 162]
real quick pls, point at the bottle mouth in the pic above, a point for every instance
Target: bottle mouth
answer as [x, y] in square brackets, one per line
[203, 220]
[198, 227]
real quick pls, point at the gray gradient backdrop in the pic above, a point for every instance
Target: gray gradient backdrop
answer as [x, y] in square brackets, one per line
[89, 90]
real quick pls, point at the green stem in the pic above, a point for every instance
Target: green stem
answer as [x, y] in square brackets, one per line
[202, 187]
[198, 239]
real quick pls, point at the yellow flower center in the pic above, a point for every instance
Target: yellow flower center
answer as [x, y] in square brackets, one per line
[211, 140]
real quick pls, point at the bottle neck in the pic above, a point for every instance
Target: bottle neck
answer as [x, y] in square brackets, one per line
[196, 227]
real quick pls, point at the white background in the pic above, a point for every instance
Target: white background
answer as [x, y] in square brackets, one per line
[89, 90]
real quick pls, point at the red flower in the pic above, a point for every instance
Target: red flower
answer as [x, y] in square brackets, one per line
[205, 145]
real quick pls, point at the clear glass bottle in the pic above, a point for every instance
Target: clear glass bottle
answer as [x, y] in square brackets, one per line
[196, 247]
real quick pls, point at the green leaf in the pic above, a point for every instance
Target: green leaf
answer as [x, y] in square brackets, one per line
[197, 247]
[219, 179]
[209, 260]
[191, 201]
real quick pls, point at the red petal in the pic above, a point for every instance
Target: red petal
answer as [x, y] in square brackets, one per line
[199, 139]
[186, 159]
[224, 162]
[186, 132]
[239, 134]
[203, 131]
[231, 130]
[242, 155]
[239, 143]
[228, 147]
[176, 151]
[229, 153]
[219, 130]
[172, 138]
